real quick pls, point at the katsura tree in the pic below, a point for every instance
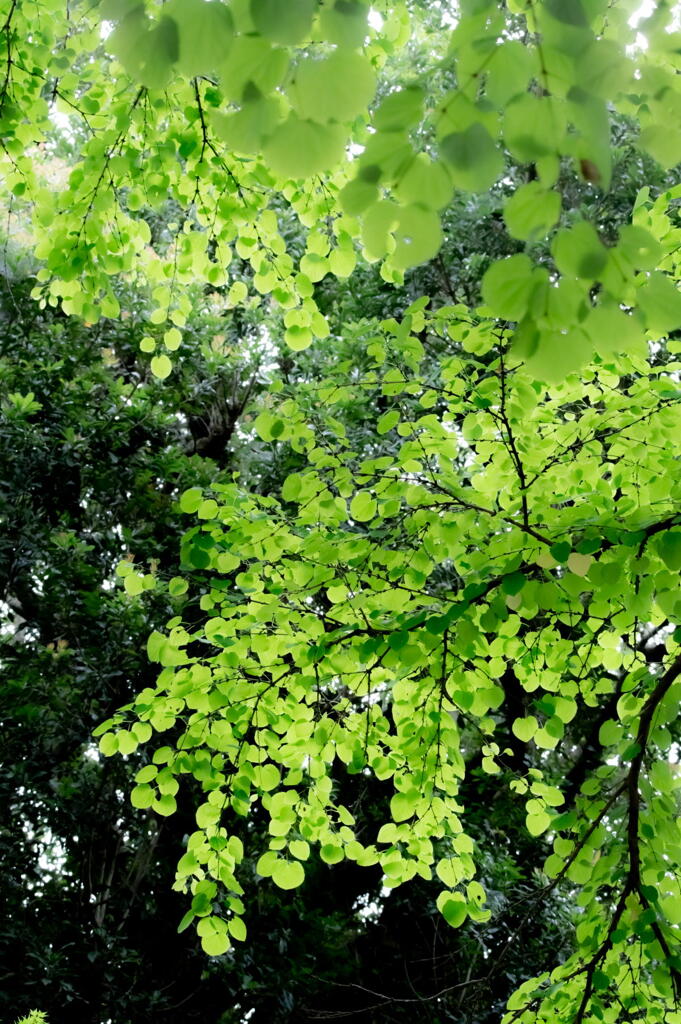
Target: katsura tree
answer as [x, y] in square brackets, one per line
[94, 453]
[498, 578]
[492, 579]
[94, 448]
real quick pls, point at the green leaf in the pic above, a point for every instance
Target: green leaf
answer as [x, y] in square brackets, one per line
[335, 88]
[533, 127]
[286, 23]
[553, 865]
[172, 339]
[378, 222]
[237, 929]
[579, 564]
[531, 211]
[252, 62]
[671, 908]
[663, 142]
[288, 874]
[525, 728]
[400, 109]
[508, 285]
[449, 872]
[538, 822]
[165, 805]
[108, 744]
[146, 52]
[161, 367]
[191, 499]
[553, 355]
[198, 556]
[640, 249]
[561, 551]
[268, 427]
[452, 906]
[357, 195]
[247, 130]
[205, 32]
[298, 148]
[387, 421]
[669, 547]
[510, 69]
[186, 921]
[513, 583]
[344, 22]
[214, 937]
[134, 584]
[363, 507]
[613, 330]
[299, 849]
[298, 338]
[610, 733]
[156, 644]
[142, 796]
[425, 182]
[418, 236]
[267, 777]
[579, 252]
[208, 509]
[266, 863]
[474, 160]
[403, 805]
[660, 301]
[330, 853]
[342, 262]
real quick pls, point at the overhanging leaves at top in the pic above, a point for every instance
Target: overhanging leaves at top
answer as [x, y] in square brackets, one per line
[241, 112]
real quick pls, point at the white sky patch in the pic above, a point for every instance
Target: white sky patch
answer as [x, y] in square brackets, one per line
[375, 20]
[367, 908]
[63, 122]
[449, 17]
[48, 848]
[644, 11]
[640, 42]
[52, 856]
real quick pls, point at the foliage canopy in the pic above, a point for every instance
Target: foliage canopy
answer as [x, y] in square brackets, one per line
[243, 115]
[486, 573]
